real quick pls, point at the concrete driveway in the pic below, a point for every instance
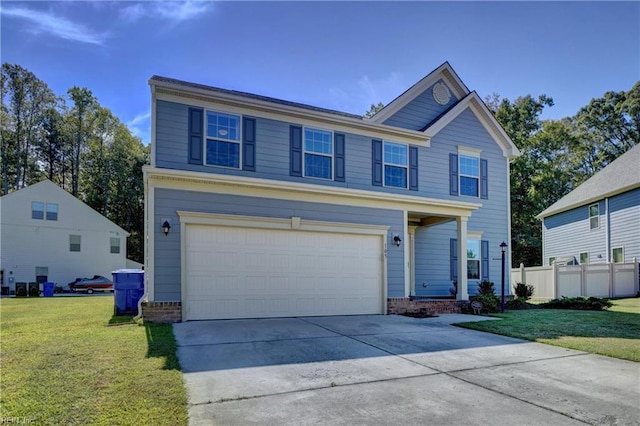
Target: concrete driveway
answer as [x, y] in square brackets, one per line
[378, 370]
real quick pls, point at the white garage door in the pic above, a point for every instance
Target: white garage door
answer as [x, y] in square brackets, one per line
[256, 273]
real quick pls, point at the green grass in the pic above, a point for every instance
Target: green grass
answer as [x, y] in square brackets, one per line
[65, 361]
[614, 333]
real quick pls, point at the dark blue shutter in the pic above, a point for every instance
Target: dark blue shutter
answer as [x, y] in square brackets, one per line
[453, 174]
[376, 157]
[484, 179]
[195, 135]
[413, 168]
[338, 158]
[249, 144]
[484, 255]
[453, 254]
[295, 138]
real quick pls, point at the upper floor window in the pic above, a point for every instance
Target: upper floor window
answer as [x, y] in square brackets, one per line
[469, 175]
[52, 211]
[318, 153]
[594, 216]
[74, 242]
[114, 244]
[395, 164]
[37, 210]
[223, 140]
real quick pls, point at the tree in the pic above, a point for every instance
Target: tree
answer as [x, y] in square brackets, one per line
[373, 110]
[25, 99]
[82, 115]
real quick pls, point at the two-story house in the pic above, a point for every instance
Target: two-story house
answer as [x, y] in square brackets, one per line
[599, 221]
[259, 207]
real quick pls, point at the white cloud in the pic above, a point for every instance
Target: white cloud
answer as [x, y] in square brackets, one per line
[48, 23]
[139, 126]
[176, 11]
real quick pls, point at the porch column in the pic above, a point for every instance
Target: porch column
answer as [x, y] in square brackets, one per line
[463, 293]
[412, 259]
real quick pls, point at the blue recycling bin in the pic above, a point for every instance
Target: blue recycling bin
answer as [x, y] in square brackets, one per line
[48, 289]
[128, 288]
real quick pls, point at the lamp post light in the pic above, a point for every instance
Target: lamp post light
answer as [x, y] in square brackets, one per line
[503, 248]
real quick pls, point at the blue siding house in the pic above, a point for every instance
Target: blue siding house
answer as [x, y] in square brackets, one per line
[259, 207]
[599, 221]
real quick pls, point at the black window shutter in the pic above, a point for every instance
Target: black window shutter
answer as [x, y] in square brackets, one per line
[484, 255]
[195, 135]
[484, 179]
[413, 168]
[249, 144]
[295, 163]
[453, 255]
[453, 174]
[338, 158]
[376, 157]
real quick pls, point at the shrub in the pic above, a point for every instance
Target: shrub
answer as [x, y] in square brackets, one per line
[486, 288]
[581, 303]
[517, 304]
[523, 291]
[490, 303]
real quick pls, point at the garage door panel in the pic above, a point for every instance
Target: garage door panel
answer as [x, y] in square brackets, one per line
[252, 273]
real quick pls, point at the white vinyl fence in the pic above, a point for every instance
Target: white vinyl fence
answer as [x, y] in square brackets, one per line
[598, 280]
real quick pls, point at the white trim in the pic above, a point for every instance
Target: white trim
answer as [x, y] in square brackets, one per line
[412, 258]
[152, 141]
[267, 188]
[474, 235]
[486, 118]
[443, 72]
[285, 113]
[197, 218]
[149, 269]
[304, 152]
[596, 216]
[508, 260]
[384, 163]
[468, 151]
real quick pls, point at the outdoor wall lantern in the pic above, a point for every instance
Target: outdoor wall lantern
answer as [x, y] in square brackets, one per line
[166, 227]
[397, 240]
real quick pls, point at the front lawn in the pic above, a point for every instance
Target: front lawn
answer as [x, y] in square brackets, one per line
[62, 363]
[614, 333]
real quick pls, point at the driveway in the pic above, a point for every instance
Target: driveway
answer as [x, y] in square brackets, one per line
[377, 370]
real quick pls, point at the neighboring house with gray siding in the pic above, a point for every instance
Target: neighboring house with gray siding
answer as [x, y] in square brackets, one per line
[259, 207]
[599, 221]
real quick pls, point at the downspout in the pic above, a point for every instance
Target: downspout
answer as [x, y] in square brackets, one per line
[607, 231]
[146, 251]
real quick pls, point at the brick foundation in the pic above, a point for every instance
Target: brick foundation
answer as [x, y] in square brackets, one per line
[162, 312]
[403, 305]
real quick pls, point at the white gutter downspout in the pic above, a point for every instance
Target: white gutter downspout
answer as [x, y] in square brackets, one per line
[607, 231]
[145, 292]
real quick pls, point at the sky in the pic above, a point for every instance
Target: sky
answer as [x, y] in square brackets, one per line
[338, 55]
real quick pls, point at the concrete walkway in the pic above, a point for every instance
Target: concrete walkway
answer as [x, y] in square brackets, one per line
[378, 370]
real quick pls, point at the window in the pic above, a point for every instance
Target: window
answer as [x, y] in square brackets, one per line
[594, 216]
[469, 175]
[74, 242]
[318, 153]
[584, 258]
[395, 164]
[52, 211]
[223, 140]
[42, 273]
[552, 260]
[114, 243]
[617, 255]
[37, 210]
[473, 259]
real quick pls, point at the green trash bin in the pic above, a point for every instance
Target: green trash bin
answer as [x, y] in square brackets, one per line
[21, 289]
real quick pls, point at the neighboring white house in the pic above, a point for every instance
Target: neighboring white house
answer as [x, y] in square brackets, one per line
[48, 234]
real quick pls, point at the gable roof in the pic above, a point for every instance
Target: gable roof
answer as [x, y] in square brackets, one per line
[443, 72]
[621, 175]
[486, 118]
[51, 187]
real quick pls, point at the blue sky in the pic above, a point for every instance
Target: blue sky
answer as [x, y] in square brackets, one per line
[339, 55]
